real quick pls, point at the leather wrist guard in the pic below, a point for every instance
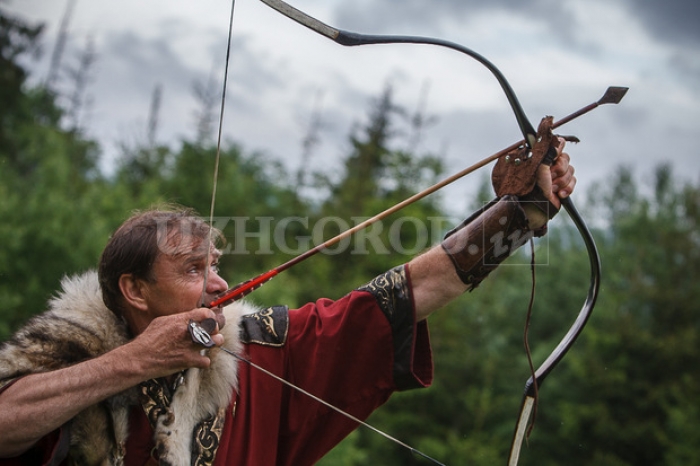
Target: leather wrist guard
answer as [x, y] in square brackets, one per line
[487, 238]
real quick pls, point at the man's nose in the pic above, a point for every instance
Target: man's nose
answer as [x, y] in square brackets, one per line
[216, 284]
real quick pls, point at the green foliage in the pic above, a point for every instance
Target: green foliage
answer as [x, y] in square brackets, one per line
[376, 177]
[16, 38]
[48, 189]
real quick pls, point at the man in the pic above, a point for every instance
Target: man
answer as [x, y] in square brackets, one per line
[110, 374]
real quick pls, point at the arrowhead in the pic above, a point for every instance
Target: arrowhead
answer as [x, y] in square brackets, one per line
[613, 95]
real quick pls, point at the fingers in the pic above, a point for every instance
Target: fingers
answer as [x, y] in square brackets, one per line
[166, 345]
[200, 314]
[562, 173]
[208, 321]
[544, 181]
[563, 179]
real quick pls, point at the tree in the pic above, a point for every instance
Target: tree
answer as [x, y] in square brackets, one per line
[49, 186]
[375, 176]
[17, 38]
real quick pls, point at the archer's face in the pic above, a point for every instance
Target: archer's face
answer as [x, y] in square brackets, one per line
[179, 274]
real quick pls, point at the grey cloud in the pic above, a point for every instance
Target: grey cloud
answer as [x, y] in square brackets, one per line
[386, 16]
[132, 58]
[675, 21]
[133, 65]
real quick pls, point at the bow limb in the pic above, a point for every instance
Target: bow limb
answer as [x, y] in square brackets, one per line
[351, 39]
[529, 396]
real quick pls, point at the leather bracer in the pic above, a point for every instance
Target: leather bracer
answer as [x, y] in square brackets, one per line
[487, 238]
[490, 235]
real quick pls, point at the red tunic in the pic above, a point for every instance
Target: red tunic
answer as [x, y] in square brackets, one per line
[350, 353]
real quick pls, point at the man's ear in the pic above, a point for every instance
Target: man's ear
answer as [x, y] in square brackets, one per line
[132, 290]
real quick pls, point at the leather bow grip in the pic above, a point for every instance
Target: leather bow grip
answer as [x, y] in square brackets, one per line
[515, 174]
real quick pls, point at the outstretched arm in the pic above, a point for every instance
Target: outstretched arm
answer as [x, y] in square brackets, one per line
[434, 274]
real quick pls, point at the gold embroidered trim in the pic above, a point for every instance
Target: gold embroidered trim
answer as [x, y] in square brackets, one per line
[268, 327]
[156, 398]
[388, 289]
[207, 437]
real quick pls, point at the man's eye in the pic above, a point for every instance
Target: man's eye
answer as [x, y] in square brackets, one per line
[195, 269]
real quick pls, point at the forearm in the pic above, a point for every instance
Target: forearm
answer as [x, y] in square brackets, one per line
[38, 404]
[434, 281]
[471, 252]
[525, 205]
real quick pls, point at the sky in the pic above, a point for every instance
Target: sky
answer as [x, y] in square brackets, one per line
[557, 55]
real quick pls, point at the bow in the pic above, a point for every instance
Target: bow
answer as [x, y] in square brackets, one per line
[612, 96]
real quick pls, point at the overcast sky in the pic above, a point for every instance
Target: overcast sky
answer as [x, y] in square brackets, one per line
[558, 56]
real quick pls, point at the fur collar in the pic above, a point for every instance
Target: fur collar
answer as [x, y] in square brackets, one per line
[79, 326]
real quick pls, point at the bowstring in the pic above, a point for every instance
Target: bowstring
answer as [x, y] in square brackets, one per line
[333, 407]
[526, 341]
[206, 270]
[217, 159]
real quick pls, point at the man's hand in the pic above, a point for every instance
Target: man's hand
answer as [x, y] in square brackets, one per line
[557, 181]
[166, 347]
[433, 276]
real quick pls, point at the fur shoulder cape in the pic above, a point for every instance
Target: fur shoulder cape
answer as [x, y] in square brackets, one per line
[78, 326]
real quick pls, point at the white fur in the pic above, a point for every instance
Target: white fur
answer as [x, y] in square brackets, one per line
[79, 312]
[202, 393]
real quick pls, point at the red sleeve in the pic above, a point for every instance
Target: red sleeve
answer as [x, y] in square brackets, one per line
[49, 451]
[353, 353]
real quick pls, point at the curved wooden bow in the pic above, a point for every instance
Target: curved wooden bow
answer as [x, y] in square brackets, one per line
[612, 96]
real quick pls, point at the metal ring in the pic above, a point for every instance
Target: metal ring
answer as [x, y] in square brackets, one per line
[199, 335]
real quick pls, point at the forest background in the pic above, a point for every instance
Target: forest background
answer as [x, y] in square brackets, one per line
[627, 393]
